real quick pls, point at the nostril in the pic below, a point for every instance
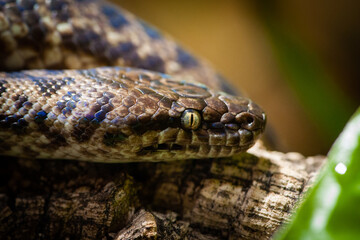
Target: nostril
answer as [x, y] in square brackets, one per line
[249, 119]
[246, 120]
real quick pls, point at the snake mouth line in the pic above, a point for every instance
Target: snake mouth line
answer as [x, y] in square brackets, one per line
[191, 151]
[245, 140]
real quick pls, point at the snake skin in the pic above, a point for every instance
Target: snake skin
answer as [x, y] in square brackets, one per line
[109, 114]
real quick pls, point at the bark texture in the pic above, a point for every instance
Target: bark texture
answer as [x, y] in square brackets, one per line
[248, 196]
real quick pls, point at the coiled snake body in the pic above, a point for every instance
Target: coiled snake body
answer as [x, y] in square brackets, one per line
[110, 114]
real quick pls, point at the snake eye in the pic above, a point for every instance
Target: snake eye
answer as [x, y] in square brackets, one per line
[190, 119]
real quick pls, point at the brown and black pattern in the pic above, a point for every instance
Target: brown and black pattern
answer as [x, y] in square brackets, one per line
[115, 114]
[70, 34]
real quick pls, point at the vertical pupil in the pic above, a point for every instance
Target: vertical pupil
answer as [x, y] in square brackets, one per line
[191, 119]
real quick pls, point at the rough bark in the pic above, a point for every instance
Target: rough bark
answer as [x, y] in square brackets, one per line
[248, 196]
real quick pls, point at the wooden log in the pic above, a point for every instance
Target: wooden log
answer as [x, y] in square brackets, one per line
[248, 196]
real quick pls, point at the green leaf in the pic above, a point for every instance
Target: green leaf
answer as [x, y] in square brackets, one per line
[331, 210]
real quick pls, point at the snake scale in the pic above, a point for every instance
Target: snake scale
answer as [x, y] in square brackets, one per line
[130, 94]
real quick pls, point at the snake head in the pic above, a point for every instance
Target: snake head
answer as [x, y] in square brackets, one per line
[202, 122]
[217, 126]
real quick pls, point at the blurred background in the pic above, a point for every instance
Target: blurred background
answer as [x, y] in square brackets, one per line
[298, 59]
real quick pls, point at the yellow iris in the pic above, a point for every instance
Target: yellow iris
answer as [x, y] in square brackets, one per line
[190, 119]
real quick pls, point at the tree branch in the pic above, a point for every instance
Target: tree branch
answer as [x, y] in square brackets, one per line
[248, 196]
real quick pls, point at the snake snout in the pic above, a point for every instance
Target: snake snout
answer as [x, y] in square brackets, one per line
[252, 123]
